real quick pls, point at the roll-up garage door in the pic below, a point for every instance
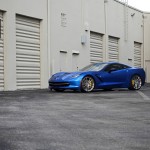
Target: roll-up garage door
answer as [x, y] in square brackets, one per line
[96, 47]
[1, 52]
[137, 54]
[113, 49]
[27, 52]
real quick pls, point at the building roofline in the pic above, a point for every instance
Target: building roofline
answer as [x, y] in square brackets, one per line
[145, 12]
[130, 6]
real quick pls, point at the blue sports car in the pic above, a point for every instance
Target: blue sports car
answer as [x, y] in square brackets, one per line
[105, 76]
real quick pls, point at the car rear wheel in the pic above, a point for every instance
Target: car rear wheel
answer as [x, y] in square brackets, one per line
[87, 84]
[135, 83]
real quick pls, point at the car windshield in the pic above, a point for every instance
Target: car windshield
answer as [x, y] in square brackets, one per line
[94, 67]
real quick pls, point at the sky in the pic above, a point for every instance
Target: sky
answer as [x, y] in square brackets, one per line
[143, 5]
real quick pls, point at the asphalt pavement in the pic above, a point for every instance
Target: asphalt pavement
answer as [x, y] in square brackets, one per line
[101, 120]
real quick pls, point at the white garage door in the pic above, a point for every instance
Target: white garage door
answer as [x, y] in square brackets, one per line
[113, 49]
[96, 47]
[137, 54]
[1, 53]
[27, 52]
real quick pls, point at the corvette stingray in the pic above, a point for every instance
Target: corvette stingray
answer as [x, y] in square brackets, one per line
[107, 76]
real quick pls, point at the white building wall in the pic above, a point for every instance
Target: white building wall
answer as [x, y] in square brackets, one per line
[65, 27]
[35, 9]
[147, 44]
[128, 28]
[65, 33]
[105, 17]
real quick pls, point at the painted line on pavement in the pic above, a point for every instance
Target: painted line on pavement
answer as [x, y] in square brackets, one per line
[145, 97]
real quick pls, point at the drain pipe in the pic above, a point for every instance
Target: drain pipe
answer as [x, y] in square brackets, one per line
[48, 39]
[106, 30]
[143, 41]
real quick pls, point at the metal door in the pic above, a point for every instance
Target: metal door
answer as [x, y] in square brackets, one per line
[96, 47]
[137, 54]
[113, 49]
[27, 52]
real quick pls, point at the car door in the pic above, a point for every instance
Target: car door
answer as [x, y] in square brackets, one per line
[114, 75]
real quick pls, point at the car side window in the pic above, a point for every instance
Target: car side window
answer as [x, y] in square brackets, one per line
[124, 66]
[115, 67]
[111, 67]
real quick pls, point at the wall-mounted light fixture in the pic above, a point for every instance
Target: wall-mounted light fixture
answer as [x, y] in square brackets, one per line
[83, 39]
[132, 14]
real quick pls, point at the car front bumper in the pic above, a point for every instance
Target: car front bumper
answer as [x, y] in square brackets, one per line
[72, 85]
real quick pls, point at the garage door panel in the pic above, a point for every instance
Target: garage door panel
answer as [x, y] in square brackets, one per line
[28, 57]
[1, 81]
[28, 40]
[27, 22]
[30, 86]
[96, 47]
[27, 27]
[28, 76]
[28, 68]
[27, 44]
[28, 71]
[27, 49]
[27, 64]
[137, 54]
[95, 41]
[113, 49]
[28, 60]
[28, 52]
[24, 35]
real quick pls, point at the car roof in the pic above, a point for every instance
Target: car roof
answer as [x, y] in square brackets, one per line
[107, 62]
[111, 62]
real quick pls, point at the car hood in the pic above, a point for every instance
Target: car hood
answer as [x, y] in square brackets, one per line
[66, 75]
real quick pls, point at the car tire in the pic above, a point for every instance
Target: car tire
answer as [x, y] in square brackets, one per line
[87, 84]
[135, 83]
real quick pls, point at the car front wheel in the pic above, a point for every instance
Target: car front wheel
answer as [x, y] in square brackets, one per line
[135, 83]
[87, 84]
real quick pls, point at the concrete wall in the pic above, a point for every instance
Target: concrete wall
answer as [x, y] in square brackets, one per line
[36, 9]
[65, 24]
[128, 28]
[147, 44]
[105, 17]
[80, 15]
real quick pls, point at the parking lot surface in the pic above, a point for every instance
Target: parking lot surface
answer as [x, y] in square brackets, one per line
[101, 120]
